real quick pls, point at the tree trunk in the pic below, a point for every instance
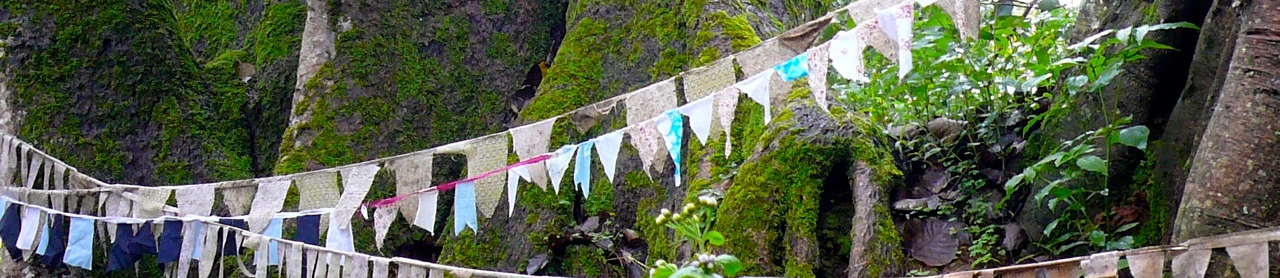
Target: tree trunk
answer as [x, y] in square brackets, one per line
[1235, 177]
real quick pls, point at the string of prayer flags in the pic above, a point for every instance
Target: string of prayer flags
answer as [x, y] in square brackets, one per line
[896, 22]
[793, 68]
[757, 88]
[413, 172]
[818, 62]
[765, 56]
[607, 147]
[558, 164]
[485, 154]
[726, 109]
[382, 219]
[582, 169]
[355, 185]
[1191, 263]
[268, 201]
[80, 243]
[426, 215]
[1101, 265]
[644, 137]
[1251, 260]
[703, 81]
[1146, 265]
[464, 207]
[533, 140]
[965, 14]
[700, 114]
[673, 135]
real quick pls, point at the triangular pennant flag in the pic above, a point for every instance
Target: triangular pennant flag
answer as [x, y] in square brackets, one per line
[48, 174]
[1251, 260]
[426, 215]
[238, 196]
[607, 147]
[382, 219]
[413, 172]
[33, 167]
[464, 207]
[355, 185]
[532, 140]
[793, 68]
[651, 101]
[846, 53]
[558, 163]
[582, 169]
[195, 199]
[588, 116]
[896, 22]
[726, 109]
[1145, 265]
[267, 201]
[645, 137]
[757, 88]
[818, 63]
[700, 114]
[801, 37]
[80, 243]
[879, 40]
[1101, 265]
[965, 15]
[30, 227]
[673, 135]
[153, 204]
[513, 185]
[703, 81]
[339, 237]
[487, 154]
[1191, 263]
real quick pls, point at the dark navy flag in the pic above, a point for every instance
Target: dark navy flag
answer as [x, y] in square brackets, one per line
[57, 242]
[308, 229]
[10, 226]
[120, 257]
[170, 242]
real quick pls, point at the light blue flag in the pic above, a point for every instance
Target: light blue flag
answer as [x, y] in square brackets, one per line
[44, 235]
[197, 232]
[672, 127]
[582, 170]
[794, 68]
[80, 243]
[464, 207]
[4, 205]
[273, 231]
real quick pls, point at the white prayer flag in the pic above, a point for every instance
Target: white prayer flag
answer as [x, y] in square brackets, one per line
[1191, 263]
[196, 199]
[819, 59]
[757, 88]
[1101, 265]
[559, 163]
[426, 216]
[266, 203]
[726, 109]
[607, 147]
[355, 185]
[1251, 260]
[532, 140]
[30, 227]
[896, 22]
[700, 114]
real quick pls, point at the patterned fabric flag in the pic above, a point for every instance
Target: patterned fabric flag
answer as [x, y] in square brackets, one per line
[703, 81]
[532, 140]
[464, 207]
[965, 14]
[1146, 265]
[268, 201]
[674, 136]
[382, 219]
[558, 163]
[757, 88]
[793, 68]
[846, 53]
[426, 215]
[651, 101]
[1251, 260]
[582, 168]
[80, 243]
[318, 190]
[1191, 263]
[726, 109]
[355, 185]
[865, 10]
[818, 63]
[700, 114]
[644, 137]
[764, 57]
[607, 147]
[486, 154]
[413, 172]
[896, 22]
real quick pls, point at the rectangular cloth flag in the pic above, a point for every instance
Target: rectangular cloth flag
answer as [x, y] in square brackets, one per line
[464, 207]
[582, 169]
[275, 229]
[170, 242]
[897, 22]
[1251, 260]
[80, 243]
[818, 63]
[318, 190]
[674, 136]
[10, 228]
[30, 227]
[1146, 265]
[195, 199]
[57, 248]
[426, 214]
[268, 201]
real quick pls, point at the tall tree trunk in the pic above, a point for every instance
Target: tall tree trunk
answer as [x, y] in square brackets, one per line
[1235, 176]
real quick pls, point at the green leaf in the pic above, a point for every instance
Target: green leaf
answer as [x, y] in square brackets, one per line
[1135, 136]
[1061, 192]
[1048, 229]
[715, 238]
[1067, 247]
[1090, 39]
[730, 264]
[1171, 25]
[1092, 163]
[688, 271]
[1013, 182]
[663, 272]
[1076, 82]
[1125, 242]
[1104, 78]
[1126, 227]
[1098, 238]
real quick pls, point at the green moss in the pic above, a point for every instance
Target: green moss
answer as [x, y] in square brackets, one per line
[575, 78]
[1154, 229]
[738, 29]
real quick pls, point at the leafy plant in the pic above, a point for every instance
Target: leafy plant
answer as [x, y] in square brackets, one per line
[693, 226]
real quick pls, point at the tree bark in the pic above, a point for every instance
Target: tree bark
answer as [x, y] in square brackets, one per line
[1235, 177]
